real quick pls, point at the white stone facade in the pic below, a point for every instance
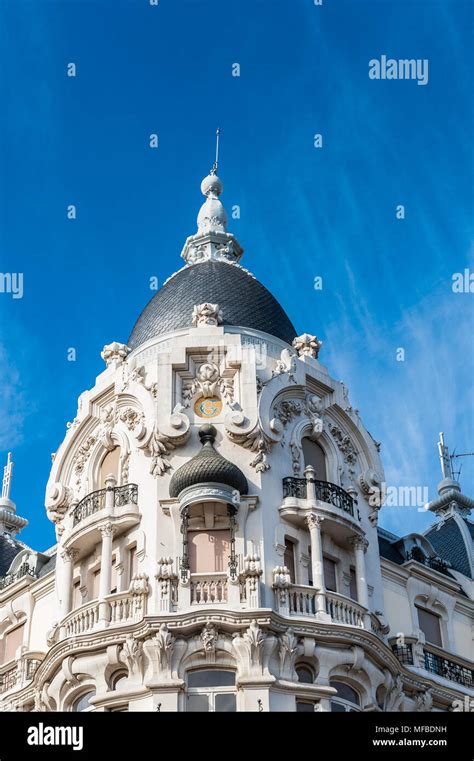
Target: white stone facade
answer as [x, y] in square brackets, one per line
[123, 624]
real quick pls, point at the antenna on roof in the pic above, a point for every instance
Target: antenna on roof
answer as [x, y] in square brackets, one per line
[216, 162]
[447, 464]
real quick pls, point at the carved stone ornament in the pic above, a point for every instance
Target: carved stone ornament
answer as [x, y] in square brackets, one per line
[207, 383]
[132, 655]
[207, 314]
[286, 364]
[287, 652]
[307, 345]
[394, 695]
[424, 702]
[114, 352]
[209, 637]
[256, 441]
[159, 447]
[164, 642]
[249, 648]
[139, 584]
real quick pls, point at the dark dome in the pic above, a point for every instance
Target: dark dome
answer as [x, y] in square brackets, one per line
[244, 302]
[208, 466]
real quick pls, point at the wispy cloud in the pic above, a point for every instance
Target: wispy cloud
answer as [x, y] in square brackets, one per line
[14, 407]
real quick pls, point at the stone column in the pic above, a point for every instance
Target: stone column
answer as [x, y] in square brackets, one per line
[360, 545]
[314, 524]
[310, 475]
[64, 581]
[107, 531]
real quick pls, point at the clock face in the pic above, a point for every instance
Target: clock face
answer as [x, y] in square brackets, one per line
[210, 407]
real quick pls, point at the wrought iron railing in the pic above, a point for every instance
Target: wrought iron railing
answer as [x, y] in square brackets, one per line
[455, 672]
[325, 491]
[404, 653]
[9, 679]
[437, 564]
[95, 501]
[24, 570]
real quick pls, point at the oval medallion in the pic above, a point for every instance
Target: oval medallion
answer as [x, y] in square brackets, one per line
[210, 407]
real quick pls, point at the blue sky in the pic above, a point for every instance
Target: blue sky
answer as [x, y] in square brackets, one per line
[305, 212]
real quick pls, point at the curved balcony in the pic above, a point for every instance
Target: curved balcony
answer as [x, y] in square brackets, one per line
[302, 496]
[96, 501]
[301, 601]
[433, 660]
[124, 608]
[117, 505]
[326, 492]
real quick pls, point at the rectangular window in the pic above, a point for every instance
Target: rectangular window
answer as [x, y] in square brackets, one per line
[353, 585]
[304, 706]
[209, 551]
[13, 640]
[95, 584]
[76, 594]
[289, 559]
[329, 567]
[430, 626]
[132, 562]
[310, 568]
[113, 578]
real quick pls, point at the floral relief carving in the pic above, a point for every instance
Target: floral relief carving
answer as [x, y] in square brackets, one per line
[207, 314]
[207, 383]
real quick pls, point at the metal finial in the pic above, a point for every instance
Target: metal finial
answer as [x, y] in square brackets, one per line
[7, 476]
[216, 162]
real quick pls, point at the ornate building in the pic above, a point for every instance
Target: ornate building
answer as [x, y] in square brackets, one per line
[215, 502]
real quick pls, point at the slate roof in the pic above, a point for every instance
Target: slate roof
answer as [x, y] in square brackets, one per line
[449, 543]
[244, 302]
[387, 549]
[9, 549]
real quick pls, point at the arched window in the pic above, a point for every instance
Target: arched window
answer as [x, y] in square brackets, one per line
[305, 674]
[314, 455]
[346, 700]
[211, 691]
[109, 466]
[82, 703]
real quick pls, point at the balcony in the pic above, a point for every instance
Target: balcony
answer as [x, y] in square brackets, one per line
[338, 508]
[23, 571]
[326, 492]
[208, 589]
[115, 504]
[301, 601]
[96, 501]
[448, 669]
[17, 674]
[436, 563]
[122, 609]
[434, 661]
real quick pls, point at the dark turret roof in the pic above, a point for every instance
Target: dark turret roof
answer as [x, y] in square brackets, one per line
[208, 466]
[243, 300]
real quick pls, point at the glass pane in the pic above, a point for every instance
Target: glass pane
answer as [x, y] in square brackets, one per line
[429, 625]
[225, 702]
[303, 707]
[83, 702]
[345, 692]
[289, 558]
[304, 675]
[329, 568]
[211, 678]
[314, 455]
[337, 707]
[198, 703]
